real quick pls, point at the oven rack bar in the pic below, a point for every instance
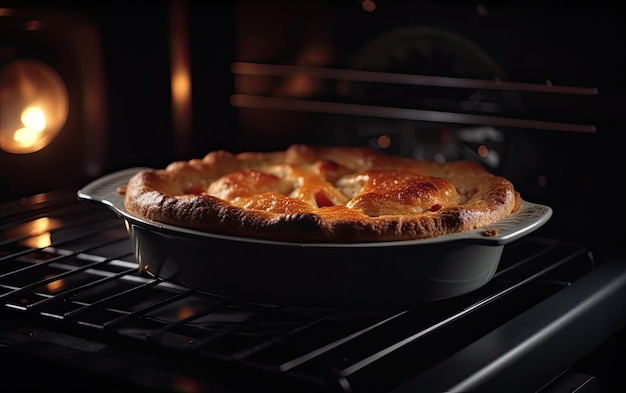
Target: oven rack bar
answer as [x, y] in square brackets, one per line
[350, 75]
[570, 319]
[337, 108]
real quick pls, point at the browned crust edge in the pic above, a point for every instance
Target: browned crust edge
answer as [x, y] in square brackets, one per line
[150, 195]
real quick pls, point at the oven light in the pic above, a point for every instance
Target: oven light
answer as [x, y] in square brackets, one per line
[26, 136]
[33, 104]
[34, 121]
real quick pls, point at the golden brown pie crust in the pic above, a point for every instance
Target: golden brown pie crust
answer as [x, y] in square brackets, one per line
[310, 193]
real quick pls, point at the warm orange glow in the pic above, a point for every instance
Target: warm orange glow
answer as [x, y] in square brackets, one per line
[316, 53]
[26, 136]
[300, 85]
[34, 121]
[34, 118]
[56, 286]
[181, 86]
[184, 312]
[34, 105]
[483, 151]
[40, 241]
[33, 25]
[42, 224]
[368, 5]
[186, 385]
[180, 79]
[38, 230]
[384, 141]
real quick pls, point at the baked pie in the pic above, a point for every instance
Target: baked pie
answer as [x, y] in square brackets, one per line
[321, 194]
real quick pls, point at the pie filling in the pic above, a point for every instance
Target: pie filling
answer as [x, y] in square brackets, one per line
[373, 192]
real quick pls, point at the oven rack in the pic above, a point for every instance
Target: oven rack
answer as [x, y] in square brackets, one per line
[70, 286]
[389, 107]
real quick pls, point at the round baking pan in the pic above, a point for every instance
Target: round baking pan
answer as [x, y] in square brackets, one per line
[356, 275]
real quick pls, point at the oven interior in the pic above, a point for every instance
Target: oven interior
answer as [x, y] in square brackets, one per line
[79, 313]
[532, 92]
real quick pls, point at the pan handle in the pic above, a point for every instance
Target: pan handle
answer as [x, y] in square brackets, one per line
[104, 190]
[528, 219]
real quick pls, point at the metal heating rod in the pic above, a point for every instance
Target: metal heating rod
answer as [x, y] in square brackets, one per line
[277, 103]
[258, 69]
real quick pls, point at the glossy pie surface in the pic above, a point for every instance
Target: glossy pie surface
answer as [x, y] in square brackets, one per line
[322, 194]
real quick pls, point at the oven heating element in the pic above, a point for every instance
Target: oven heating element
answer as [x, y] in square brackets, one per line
[73, 297]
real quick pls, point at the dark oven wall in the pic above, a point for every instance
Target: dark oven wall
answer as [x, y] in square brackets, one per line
[139, 40]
